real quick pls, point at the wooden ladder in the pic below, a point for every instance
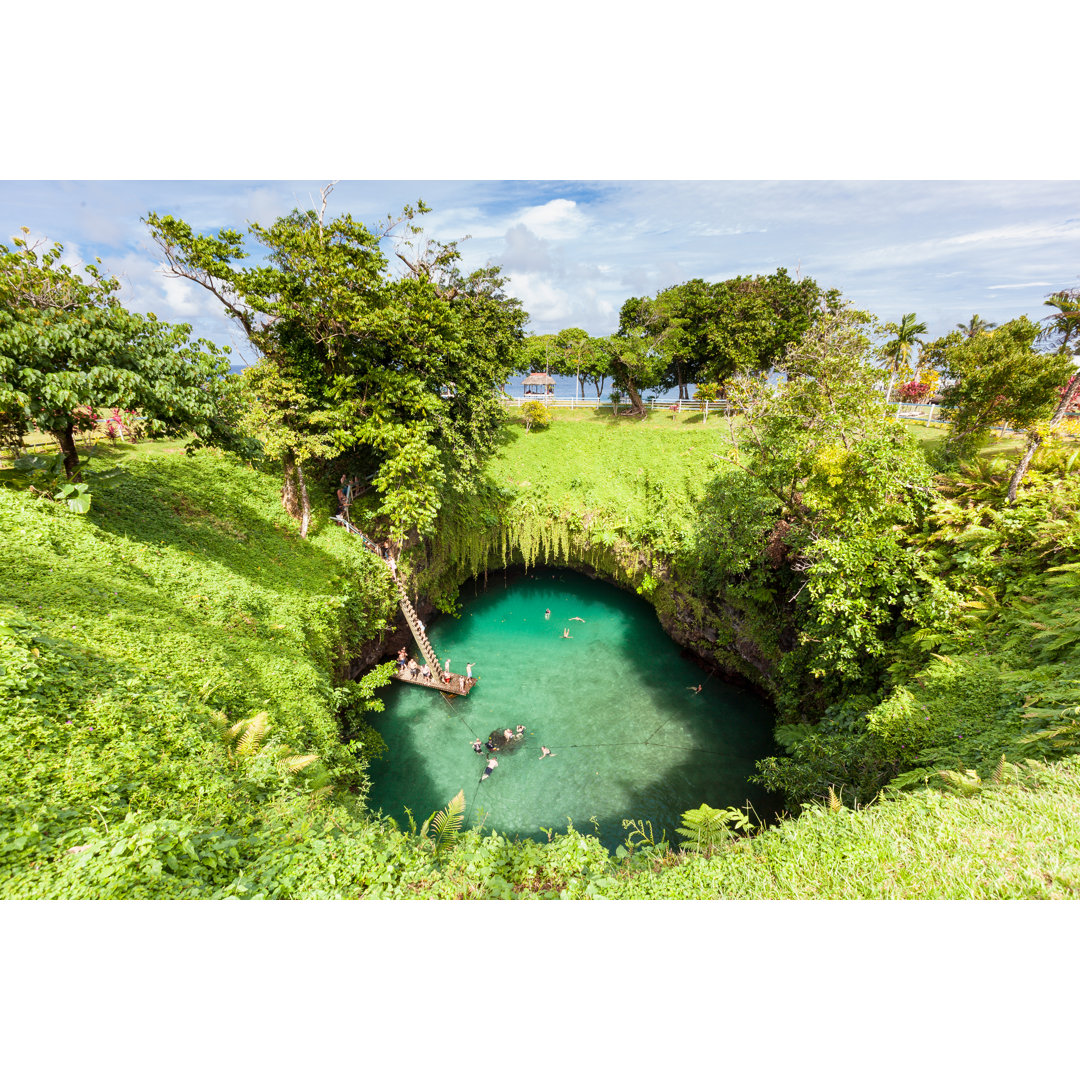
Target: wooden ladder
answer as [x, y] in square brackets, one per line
[418, 634]
[407, 609]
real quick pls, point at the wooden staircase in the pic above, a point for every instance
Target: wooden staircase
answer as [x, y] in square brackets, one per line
[415, 626]
[457, 684]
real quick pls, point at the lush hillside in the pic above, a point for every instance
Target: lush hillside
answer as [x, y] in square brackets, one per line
[136, 641]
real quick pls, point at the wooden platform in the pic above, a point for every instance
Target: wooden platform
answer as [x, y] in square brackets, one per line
[436, 682]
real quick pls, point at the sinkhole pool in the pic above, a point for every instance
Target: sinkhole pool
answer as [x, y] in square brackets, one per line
[614, 702]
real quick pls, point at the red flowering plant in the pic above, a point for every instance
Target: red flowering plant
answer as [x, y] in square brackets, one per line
[916, 392]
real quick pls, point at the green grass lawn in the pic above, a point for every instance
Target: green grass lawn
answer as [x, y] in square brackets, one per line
[590, 461]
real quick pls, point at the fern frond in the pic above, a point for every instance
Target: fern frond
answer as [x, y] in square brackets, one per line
[964, 783]
[444, 825]
[251, 732]
[296, 762]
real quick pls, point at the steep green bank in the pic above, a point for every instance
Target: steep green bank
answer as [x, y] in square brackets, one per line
[134, 640]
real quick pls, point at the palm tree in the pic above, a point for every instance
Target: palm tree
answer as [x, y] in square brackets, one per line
[1063, 327]
[977, 325]
[899, 348]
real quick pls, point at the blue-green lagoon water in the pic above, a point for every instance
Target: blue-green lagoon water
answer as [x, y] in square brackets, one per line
[615, 704]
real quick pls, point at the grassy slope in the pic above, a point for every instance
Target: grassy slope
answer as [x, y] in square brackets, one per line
[183, 602]
[187, 591]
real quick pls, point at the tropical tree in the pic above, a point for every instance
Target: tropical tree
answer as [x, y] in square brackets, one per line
[974, 326]
[824, 475]
[1063, 328]
[399, 372]
[68, 347]
[573, 347]
[598, 365]
[638, 362]
[999, 378]
[718, 329]
[898, 348]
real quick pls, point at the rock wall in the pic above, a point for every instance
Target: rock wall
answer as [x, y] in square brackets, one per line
[733, 642]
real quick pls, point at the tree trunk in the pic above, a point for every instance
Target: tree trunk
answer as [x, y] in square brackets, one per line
[290, 497]
[66, 438]
[1034, 438]
[637, 405]
[305, 502]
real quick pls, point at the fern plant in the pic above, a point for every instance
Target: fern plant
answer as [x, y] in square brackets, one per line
[443, 828]
[705, 828]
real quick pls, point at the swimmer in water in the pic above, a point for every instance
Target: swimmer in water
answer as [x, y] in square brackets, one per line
[576, 618]
[547, 613]
[478, 746]
[566, 632]
[519, 731]
[546, 752]
[492, 765]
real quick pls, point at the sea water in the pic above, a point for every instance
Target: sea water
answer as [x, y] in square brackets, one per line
[615, 702]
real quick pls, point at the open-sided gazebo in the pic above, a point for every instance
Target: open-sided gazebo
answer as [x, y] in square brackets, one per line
[538, 383]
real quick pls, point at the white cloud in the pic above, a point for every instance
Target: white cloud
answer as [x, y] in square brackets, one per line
[559, 219]
[1024, 285]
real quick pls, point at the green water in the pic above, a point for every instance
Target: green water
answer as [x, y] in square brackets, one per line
[629, 737]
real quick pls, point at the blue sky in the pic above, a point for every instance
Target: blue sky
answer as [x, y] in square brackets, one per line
[574, 251]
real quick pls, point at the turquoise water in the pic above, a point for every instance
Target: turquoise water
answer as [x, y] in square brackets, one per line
[614, 703]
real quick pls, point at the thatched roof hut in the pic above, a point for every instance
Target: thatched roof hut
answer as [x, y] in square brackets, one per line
[538, 383]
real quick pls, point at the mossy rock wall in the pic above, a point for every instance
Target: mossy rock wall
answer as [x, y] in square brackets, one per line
[737, 643]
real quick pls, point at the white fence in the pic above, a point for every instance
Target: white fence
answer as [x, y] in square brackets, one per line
[705, 407]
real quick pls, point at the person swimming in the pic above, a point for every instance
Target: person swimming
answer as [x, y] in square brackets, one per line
[478, 746]
[519, 731]
[566, 632]
[547, 613]
[492, 765]
[545, 753]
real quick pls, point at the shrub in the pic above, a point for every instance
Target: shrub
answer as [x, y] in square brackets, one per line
[536, 414]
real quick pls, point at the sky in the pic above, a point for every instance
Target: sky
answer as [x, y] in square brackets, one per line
[574, 251]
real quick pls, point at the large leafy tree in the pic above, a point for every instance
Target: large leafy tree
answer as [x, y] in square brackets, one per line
[828, 474]
[398, 371]
[574, 351]
[999, 377]
[1062, 330]
[897, 350]
[638, 361]
[715, 330]
[68, 347]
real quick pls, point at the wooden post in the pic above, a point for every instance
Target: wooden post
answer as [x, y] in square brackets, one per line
[705, 418]
[930, 415]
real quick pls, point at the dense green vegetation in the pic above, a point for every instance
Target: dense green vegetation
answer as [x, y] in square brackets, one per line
[184, 604]
[179, 635]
